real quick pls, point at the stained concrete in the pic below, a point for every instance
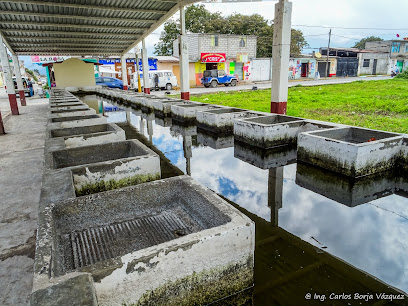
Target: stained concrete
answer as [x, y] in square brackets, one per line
[21, 167]
[214, 140]
[351, 151]
[199, 225]
[187, 111]
[274, 130]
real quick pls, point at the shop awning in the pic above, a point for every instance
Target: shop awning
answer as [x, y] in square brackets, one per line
[81, 27]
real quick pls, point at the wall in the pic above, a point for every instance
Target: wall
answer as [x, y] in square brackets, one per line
[383, 46]
[74, 72]
[382, 63]
[166, 65]
[295, 68]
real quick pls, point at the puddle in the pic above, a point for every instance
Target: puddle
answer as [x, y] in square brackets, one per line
[370, 236]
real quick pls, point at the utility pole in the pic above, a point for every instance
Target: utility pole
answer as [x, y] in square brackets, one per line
[328, 51]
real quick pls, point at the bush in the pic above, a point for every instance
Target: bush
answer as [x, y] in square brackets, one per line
[402, 75]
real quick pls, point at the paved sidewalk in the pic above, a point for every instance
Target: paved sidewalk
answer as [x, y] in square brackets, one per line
[21, 168]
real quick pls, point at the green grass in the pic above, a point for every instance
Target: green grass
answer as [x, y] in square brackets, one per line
[381, 105]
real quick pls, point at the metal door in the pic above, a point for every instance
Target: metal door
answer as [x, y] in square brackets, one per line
[347, 66]
[375, 67]
[239, 70]
[260, 70]
[321, 67]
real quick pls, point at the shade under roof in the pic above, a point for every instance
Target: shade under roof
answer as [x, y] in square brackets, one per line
[81, 27]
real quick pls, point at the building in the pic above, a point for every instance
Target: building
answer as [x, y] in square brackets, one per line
[228, 52]
[397, 51]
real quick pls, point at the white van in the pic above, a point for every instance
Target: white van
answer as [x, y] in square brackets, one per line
[166, 78]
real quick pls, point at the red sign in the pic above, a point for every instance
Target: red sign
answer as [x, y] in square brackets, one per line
[213, 57]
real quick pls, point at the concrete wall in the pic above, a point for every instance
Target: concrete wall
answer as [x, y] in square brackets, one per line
[383, 63]
[383, 46]
[295, 68]
[74, 72]
[228, 44]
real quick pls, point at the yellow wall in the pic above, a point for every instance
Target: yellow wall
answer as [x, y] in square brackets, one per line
[74, 72]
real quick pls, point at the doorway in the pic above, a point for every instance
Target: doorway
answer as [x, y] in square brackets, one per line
[375, 67]
[304, 72]
[211, 66]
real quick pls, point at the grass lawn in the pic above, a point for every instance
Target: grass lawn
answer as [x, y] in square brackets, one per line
[381, 105]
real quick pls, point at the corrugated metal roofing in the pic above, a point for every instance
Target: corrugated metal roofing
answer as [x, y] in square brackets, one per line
[81, 27]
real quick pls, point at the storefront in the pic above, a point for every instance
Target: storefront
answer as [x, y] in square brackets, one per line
[209, 61]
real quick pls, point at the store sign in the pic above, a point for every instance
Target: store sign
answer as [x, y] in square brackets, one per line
[42, 59]
[112, 61]
[213, 57]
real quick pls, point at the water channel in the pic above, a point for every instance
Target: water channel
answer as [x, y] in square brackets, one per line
[342, 224]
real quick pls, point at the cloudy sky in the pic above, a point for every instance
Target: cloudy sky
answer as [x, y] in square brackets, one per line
[350, 20]
[340, 16]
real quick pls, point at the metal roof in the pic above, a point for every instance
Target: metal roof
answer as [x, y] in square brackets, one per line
[81, 27]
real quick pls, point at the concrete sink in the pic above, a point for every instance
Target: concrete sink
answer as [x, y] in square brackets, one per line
[351, 151]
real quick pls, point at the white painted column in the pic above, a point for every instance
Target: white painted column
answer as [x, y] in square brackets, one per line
[124, 73]
[280, 56]
[183, 49]
[20, 85]
[145, 68]
[8, 78]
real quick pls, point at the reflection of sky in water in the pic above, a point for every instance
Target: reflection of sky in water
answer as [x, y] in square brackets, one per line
[371, 236]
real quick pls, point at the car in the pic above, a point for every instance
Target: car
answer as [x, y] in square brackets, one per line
[214, 77]
[166, 79]
[28, 87]
[109, 82]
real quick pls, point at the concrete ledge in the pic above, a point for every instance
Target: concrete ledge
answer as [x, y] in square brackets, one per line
[75, 113]
[351, 151]
[212, 241]
[214, 140]
[404, 155]
[163, 107]
[222, 120]
[147, 101]
[345, 190]
[71, 122]
[187, 111]
[67, 109]
[273, 130]
[79, 136]
[265, 158]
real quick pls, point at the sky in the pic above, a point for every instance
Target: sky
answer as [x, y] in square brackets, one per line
[350, 20]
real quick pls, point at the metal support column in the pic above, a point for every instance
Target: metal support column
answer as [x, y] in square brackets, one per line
[183, 49]
[8, 78]
[19, 80]
[145, 68]
[124, 73]
[280, 56]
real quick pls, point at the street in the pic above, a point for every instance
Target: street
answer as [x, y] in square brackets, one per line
[267, 84]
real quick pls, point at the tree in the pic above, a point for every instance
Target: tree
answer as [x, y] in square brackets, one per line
[362, 42]
[199, 20]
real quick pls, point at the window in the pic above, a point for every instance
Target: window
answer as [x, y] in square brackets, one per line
[168, 74]
[242, 42]
[406, 48]
[396, 47]
[214, 40]
[160, 74]
[221, 73]
[366, 63]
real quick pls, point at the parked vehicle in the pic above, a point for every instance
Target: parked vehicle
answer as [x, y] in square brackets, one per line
[28, 87]
[212, 78]
[165, 79]
[109, 82]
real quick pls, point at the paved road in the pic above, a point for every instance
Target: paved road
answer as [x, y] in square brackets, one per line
[265, 85]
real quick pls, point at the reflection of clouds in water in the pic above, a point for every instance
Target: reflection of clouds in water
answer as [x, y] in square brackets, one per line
[115, 117]
[365, 236]
[368, 237]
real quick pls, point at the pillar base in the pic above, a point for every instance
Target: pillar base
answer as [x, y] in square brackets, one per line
[146, 90]
[2, 131]
[125, 87]
[13, 104]
[279, 107]
[21, 93]
[185, 95]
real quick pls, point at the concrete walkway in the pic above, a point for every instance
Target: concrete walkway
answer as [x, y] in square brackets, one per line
[266, 85]
[21, 168]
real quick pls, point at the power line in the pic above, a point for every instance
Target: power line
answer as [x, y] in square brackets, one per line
[330, 27]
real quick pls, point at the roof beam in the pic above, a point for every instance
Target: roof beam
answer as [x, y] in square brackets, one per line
[68, 25]
[93, 7]
[84, 53]
[14, 13]
[50, 44]
[158, 23]
[22, 39]
[5, 41]
[52, 49]
[46, 32]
